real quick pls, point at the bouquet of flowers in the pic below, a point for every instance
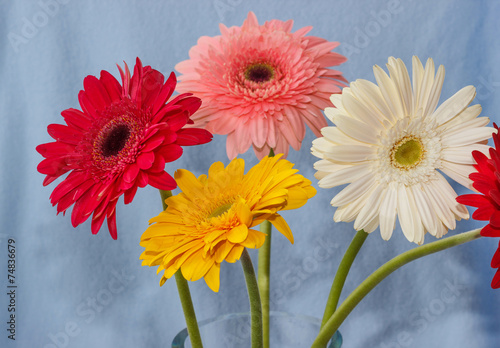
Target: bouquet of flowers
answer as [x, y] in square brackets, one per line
[389, 142]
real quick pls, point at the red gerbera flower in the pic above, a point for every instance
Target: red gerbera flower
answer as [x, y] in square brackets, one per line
[487, 182]
[120, 141]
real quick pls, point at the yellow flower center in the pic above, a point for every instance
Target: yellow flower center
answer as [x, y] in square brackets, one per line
[220, 210]
[407, 153]
[259, 72]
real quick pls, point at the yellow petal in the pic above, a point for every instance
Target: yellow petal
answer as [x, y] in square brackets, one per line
[238, 234]
[212, 278]
[235, 254]
[281, 225]
[254, 240]
[244, 214]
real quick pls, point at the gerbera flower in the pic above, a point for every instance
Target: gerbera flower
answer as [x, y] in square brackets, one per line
[119, 142]
[486, 180]
[211, 220]
[260, 83]
[389, 143]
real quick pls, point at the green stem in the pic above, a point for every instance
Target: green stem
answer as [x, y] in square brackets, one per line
[185, 296]
[254, 297]
[380, 274]
[264, 271]
[263, 278]
[188, 308]
[341, 275]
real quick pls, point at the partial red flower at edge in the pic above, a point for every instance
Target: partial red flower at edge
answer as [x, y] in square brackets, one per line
[486, 180]
[120, 141]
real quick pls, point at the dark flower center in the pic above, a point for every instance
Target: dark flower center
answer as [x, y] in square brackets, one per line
[114, 141]
[259, 73]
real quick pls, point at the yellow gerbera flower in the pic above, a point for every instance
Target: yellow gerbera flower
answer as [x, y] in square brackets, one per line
[211, 220]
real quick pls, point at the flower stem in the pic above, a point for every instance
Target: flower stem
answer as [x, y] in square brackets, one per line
[341, 275]
[254, 297]
[188, 308]
[264, 271]
[185, 296]
[380, 274]
[263, 278]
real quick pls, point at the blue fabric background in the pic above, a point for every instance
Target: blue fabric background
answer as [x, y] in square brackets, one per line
[47, 47]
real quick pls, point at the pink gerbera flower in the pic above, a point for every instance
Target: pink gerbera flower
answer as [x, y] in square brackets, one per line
[260, 83]
[119, 142]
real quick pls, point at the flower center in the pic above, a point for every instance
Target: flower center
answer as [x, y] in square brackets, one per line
[114, 140]
[407, 153]
[259, 72]
[220, 210]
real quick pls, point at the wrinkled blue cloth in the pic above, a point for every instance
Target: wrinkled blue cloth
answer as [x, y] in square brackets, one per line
[79, 290]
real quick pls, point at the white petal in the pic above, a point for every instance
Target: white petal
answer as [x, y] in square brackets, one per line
[426, 86]
[344, 176]
[463, 154]
[353, 191]
[370, 94]
[458, 172]
[468, 136]
[405, 214]
[399, 74]
[435, 92]
[351, 153]
[328, 166]
[349, 212]
[370, 209]
[336, 136]
[355, 129]
[389, 91]
[424, 206]
[388, 210]
[372, 225]
[449, 196]
[454, 105]
[440, 207]
[468, 114]
[361, 113]
[457, 128]
[417, 76]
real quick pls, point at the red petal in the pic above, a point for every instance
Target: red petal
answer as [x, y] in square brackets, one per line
[495, 196]
[53, 166]
[56, 149]
[64, 133]
[165, 93]
[96, 224]
[112, 86]
[163, 181]
[193, 136]
[473, 200]
[96, 92]
[76, 118]
[151, 87]
[87, 106]
[135, 83]
[495, 283]
[189, 103]
[495, 261]
[145, 160]
[158, 164]
[170, 152]
[177, 121]
[495, 219]
[125, 75]
[112, 223]
[130, 194]
[153, 143]
[142, 179]
[483, 213]
[490, 231]
[131, 173]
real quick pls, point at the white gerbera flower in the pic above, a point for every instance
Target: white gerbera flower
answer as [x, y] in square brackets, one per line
[388, 144]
